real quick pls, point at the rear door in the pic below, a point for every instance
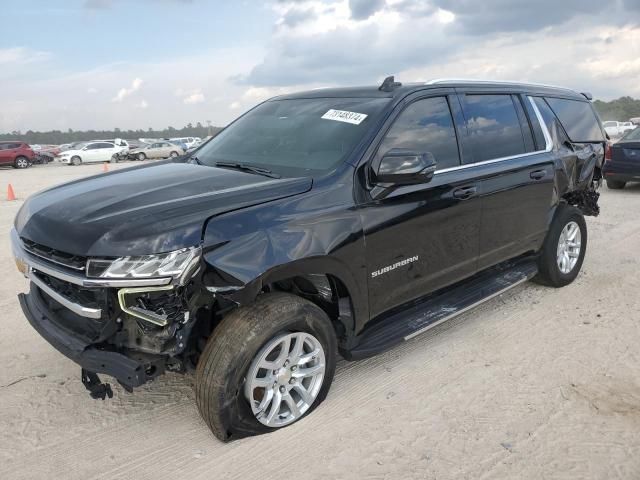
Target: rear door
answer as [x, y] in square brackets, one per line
[420, 238]
[5, 154]
[516, 171]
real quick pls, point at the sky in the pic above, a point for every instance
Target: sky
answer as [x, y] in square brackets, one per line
[101, 64]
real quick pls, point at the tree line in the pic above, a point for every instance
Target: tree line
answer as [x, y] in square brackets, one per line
[57, 137]
[621, 109]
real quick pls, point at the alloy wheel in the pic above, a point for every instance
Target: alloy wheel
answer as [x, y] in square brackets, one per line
[285, 378]
[569, 247]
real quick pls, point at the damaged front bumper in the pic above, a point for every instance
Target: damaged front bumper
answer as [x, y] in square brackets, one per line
[127, 370]
[104, 325]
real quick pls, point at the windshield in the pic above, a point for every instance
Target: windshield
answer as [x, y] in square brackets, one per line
[294, 137]
[632, 134]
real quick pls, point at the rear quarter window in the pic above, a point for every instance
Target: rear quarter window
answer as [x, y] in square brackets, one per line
[577, 118]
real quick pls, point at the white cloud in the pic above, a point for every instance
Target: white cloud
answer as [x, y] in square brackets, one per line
[21, 56]
[196, 97]
[125, 92]
[142, 104]
[235, 105]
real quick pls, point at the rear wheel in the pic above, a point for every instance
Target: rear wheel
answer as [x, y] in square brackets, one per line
[76, 161]
[616, 184]
[21, 162]
[564, 248]
[265, 366]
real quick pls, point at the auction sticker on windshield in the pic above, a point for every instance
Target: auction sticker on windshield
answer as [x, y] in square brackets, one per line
[345, 116]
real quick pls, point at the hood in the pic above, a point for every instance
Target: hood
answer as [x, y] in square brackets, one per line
[143, 210]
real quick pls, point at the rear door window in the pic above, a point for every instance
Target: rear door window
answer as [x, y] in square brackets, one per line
[577, 118]
[425, 126]
[493, 127]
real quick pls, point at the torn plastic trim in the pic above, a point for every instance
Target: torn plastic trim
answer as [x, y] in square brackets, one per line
[134, 311]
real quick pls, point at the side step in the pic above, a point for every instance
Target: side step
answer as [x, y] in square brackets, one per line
[442, 306]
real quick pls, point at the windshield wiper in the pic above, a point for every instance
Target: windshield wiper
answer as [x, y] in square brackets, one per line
[248, 168]
[194, 159]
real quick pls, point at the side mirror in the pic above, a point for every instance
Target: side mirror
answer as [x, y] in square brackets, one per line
[404, 167]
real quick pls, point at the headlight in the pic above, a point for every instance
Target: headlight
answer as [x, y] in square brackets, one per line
[172, 264]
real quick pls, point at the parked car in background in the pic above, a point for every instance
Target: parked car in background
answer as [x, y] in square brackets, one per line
[180, 143]
[188, 141]
[622, 163]
[617, 129]
[91, 152]
[156, 150]
[18, 154]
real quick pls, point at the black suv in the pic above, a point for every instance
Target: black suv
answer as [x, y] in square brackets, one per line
[341, 220]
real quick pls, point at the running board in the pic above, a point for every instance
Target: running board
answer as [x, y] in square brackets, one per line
[440, 307]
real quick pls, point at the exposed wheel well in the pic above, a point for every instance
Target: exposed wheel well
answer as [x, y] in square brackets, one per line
[326, 291]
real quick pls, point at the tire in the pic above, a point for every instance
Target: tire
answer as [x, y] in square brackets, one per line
[173, 154]
[114, 159]
[21, 162]
[234, 349]
[551, 271]
[141, 156]
[76, 161]
[616, 184]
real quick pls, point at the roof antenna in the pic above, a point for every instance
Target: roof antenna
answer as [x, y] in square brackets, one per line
[389, 84]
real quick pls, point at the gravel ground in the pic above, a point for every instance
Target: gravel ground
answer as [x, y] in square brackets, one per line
[537, 383]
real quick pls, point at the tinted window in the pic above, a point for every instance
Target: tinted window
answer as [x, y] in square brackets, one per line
[541, 143]
[493, 126]
[632, 134]
[577, 118]
[92, 146]
[425, 126]
[548, 116]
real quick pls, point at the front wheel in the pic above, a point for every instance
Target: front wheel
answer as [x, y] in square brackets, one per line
[564, 248]
[265, 366]
[142, 156]
[21, 162]
[76, 161]
[173, 154]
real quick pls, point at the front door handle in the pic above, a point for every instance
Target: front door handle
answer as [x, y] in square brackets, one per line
[538, 174]
[464, 193]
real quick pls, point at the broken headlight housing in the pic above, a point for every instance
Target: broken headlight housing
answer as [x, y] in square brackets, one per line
[174, 264]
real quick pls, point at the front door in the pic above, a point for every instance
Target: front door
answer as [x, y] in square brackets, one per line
[420, 238]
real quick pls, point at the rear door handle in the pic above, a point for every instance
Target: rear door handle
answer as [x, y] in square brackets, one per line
[464, 193]
[538, 174]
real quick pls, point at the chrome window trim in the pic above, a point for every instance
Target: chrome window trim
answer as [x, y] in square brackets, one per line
[547, 139]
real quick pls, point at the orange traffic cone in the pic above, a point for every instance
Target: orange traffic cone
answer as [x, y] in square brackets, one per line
[105, 167]
[10, 195]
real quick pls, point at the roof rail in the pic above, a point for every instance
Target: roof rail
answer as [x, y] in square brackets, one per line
[501, 82]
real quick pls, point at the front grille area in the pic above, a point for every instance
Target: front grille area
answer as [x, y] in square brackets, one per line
[86, 328]
[57, 257]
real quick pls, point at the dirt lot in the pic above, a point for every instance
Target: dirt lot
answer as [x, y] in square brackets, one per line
[538, 383]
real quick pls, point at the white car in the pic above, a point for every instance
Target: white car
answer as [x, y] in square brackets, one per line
[188, 141]
[92, 152]
[617, 129]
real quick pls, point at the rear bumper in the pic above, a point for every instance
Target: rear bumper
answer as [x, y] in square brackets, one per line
[621, 171]
[127, 370]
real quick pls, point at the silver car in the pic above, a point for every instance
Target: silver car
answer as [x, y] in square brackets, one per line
[156, 150]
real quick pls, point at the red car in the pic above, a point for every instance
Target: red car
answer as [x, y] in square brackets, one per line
[18, 154]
